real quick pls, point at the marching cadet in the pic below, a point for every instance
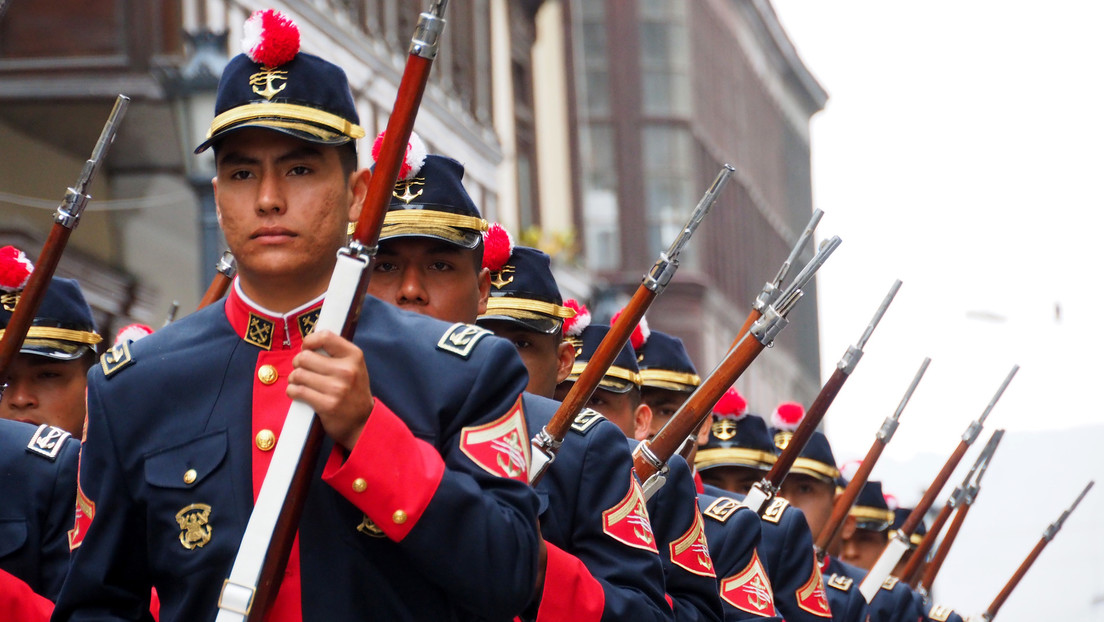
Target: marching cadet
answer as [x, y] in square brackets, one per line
[925, 609]
[864, 545]
[38, 483]
[667, 378]
[680, 530]
[45, 381]
[431, 261]
[813, 486]
[424, 448]
[738, 453]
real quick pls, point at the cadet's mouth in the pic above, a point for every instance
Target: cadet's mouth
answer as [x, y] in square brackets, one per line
[272, 233]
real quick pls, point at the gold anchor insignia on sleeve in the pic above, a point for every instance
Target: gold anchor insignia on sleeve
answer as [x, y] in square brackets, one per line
[195, 528]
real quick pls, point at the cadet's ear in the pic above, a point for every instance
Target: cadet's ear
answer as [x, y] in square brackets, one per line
[565, 352]
[484, 289]
[642, 419]
[359, 181]
[849, 525]
[703, 431]
[218, 210]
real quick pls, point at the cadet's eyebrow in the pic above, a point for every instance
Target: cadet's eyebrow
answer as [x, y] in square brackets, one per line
[298, 153]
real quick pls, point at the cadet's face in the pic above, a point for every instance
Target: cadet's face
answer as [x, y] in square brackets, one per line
[430, 277]
[732, 478]
[538, 351]
[283, 205]
[812, 496]
[864, 547]
[664, 404]
[43, 390]
[618, 408]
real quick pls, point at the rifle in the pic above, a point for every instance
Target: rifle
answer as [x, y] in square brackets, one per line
[1048, 535]
[771, 288]
[266, 544]
[911, 572]
[854, 487]
[765, 489]
[225, 270]
[967, 499]
[65, 220]
[899, 541]
[547, 441]
[650, 457]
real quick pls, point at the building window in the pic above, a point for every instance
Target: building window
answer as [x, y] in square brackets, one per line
[668, 185]
[600, 211]
[664, 58]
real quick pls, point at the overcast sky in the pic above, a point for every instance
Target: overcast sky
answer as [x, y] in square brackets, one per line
[961, 151]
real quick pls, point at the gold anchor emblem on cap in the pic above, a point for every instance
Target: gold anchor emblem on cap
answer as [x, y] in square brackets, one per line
[262, 82]
[724, 430]
[404, 185]
[498, 278]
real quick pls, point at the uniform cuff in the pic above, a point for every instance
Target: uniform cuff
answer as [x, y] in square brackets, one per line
[570, 591]
[390, 475]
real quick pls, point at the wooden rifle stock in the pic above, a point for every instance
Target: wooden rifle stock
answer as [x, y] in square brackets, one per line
[843, 505]
[912, 569]
[65, 220]
[650, 458]
[364, 241]
[932, 568]
[1048, 535]
[224, 276]
[547, 441]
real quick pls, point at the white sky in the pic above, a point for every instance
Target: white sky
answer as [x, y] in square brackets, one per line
[961, 151]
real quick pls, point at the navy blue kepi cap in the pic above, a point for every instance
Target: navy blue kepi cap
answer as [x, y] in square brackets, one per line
[524, 292]
[433, 203]
[815, 460]
[622, 375]
[62, 329]
[870, 509]
[665, 364]
[741, 441]
[276, 87]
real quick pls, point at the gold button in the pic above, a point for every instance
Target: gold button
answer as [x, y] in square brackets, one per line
[359, 485]
[190, 476]
[399, 517]
[266, 440]
[267, 374]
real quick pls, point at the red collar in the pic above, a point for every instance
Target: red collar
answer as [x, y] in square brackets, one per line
[266, 329]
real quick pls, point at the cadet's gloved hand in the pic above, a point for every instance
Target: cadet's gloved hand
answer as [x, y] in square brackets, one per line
[331, 377]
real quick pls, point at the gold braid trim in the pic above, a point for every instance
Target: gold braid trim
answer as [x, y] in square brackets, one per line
[511, 303]
[249, 112]
[427, 218]
[61, 334]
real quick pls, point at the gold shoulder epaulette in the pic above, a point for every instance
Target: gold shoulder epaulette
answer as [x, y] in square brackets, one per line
[940, 613]
[773, 513]
[116, 359]
[890, 582]
[840, 582]
[585, 420]
[460, 339]
[722, 509]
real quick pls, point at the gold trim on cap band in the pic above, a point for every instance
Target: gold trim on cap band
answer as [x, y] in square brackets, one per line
[916, 539]
[425, 218]
[865, 512]
[614, 371]
[61, 334]
[261, 110]
[514, 303]
[662, 378]
[815, 468]
[733, 456]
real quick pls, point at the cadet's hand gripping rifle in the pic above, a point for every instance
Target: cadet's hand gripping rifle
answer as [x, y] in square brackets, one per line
[1048, 535]
[964, 502]
[65, 220]
[547, 441]
[911, 572]
[650, 458]
[764, 490]
[263, 554]
[899, 541]
[843, 504]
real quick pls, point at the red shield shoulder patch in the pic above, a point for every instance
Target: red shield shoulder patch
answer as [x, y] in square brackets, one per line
[86, 511]
[628, 522]
[750, 590]
[691, 551]
[500, 447]
[811, 596]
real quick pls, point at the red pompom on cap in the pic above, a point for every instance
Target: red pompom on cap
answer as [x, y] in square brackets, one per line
[574, 326]
[497, 247]
[787, 416]
[15, 269]
[132, 332]
[416, 153]
[732, 405]
[270, 38]
[640, 333]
